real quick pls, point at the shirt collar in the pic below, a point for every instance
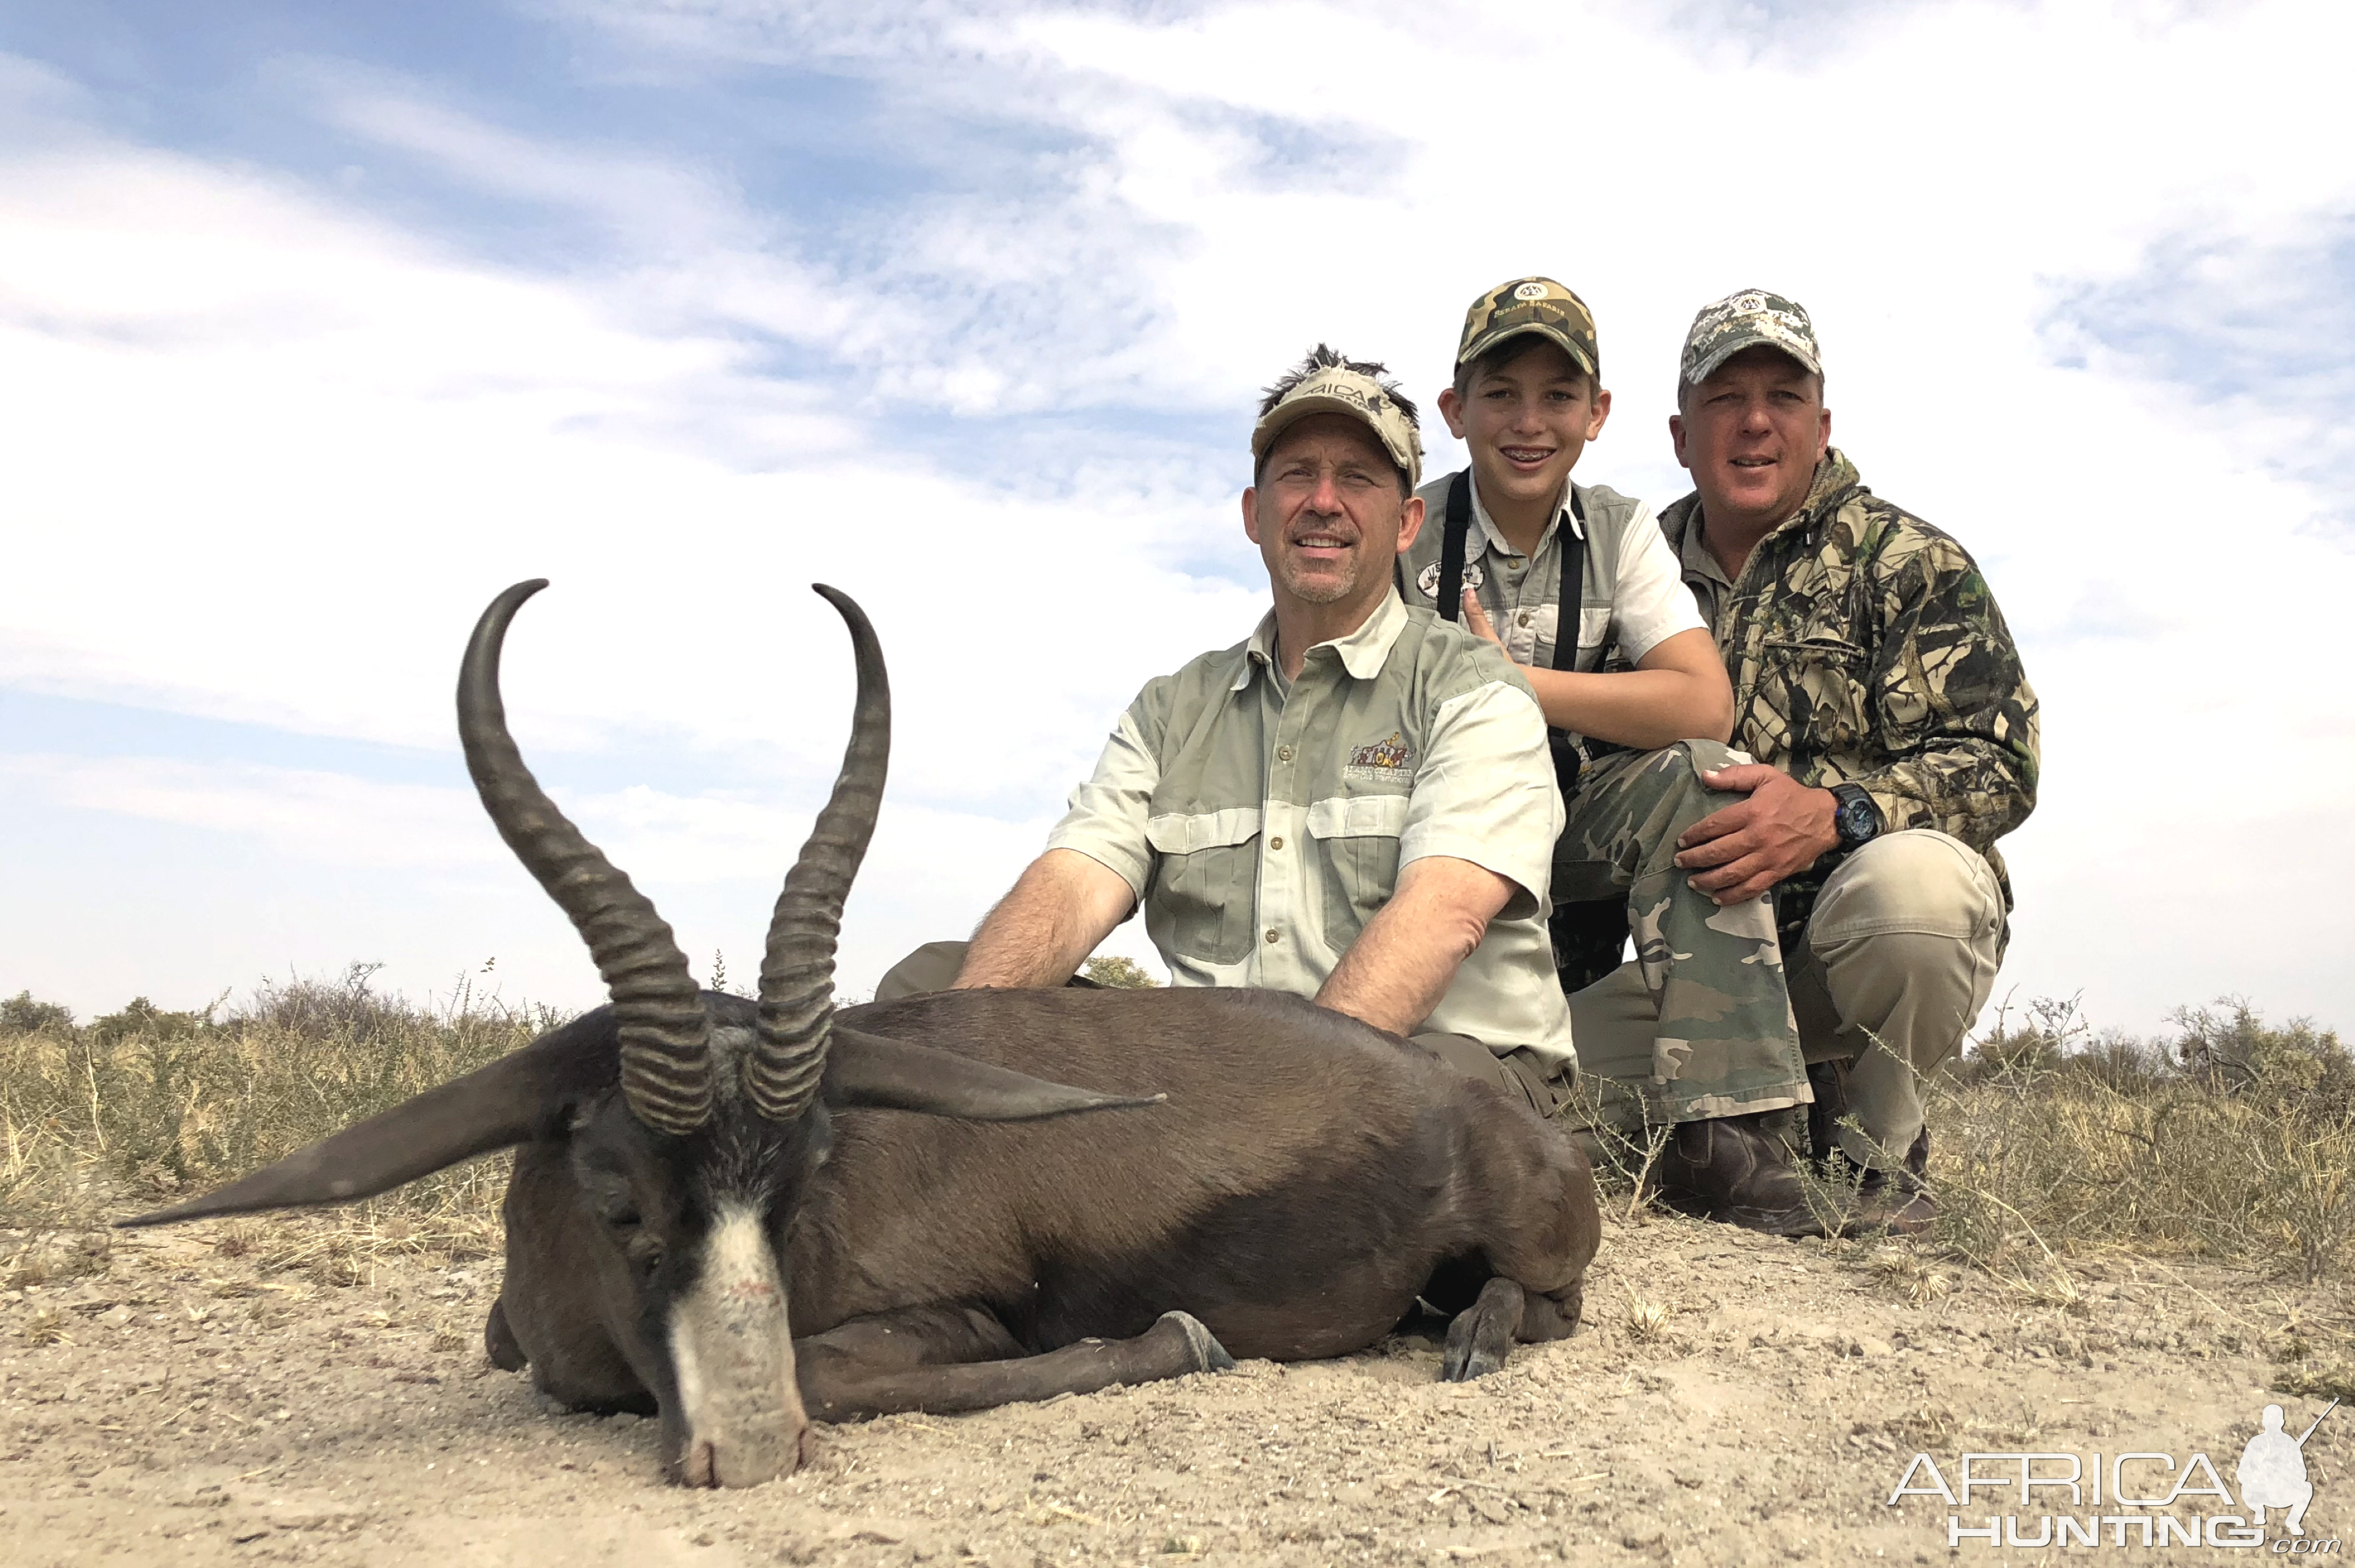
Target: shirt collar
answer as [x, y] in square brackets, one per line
[1363, 652]
[1697, 560]
[1565, 515]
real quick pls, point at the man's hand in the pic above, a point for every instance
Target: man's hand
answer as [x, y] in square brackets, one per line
[1738, 854]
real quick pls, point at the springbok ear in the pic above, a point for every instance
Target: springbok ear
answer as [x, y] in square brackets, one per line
[513, 1099]
[874, 1071]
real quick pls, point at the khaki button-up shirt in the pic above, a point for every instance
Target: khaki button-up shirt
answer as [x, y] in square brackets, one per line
[1261, 828]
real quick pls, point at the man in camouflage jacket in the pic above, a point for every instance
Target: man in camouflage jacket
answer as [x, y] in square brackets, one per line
[1895, 738]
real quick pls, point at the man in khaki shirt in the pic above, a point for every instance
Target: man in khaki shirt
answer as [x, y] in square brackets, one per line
[1353, 804]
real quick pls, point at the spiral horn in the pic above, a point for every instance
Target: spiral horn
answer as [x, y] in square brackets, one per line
[797, 972]
[664, 1034]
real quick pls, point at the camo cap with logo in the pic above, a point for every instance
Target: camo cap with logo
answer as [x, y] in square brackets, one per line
[1338, 389]
[1743, 320]
[1537, 305]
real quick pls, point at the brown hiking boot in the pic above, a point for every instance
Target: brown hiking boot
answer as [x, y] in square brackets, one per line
[1738, 1170]
[1898, 1200]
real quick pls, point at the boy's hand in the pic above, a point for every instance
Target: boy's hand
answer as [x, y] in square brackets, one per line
[1475, 619]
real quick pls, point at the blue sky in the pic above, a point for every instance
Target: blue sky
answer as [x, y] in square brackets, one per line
[320, 324]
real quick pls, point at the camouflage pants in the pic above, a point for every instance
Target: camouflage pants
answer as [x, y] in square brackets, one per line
[1721, 1039]
[1901, 953]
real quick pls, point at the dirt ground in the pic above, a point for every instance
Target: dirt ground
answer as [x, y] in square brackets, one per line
[1730, 1400]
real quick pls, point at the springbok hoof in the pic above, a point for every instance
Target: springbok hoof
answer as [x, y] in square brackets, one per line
[500, 1341]
[1210, 1356]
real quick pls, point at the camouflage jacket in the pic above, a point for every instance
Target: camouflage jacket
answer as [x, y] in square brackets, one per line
[1865, 648]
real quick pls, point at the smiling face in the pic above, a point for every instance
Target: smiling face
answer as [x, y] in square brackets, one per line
[1527, 414]
[1751, 435]
[1329, 513]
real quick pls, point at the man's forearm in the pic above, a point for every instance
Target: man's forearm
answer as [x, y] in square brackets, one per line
[1403, 961]
[1062, 905]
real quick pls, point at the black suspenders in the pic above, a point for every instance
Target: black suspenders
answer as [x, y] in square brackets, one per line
[1451, 546]
[1568, 599]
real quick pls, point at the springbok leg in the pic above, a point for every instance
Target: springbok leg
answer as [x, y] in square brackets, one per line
[902, 1362]
[1483, 1332]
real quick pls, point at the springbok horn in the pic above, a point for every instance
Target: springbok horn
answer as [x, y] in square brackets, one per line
[665, 1034]
[797, 972]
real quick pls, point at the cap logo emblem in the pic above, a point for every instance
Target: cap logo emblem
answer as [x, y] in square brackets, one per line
[1531, 291]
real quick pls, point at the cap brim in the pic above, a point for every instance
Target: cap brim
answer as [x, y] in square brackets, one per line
[1285, 415]
[1489, 340]
[1727, 350]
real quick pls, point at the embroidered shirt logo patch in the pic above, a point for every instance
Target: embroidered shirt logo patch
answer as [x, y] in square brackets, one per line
[1392, 755]
[1428, 578]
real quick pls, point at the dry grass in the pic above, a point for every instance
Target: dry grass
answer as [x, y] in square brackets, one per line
[2057, 1153]
[2233, 1141]
[1645, 1320]
[144, 1106]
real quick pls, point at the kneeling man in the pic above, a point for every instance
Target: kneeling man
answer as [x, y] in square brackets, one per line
[1895, 733]
[1355, 804]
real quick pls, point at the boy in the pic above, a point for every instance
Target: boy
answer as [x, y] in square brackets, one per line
[1638, 706]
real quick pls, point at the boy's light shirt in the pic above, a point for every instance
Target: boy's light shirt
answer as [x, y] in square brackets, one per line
[1633, 595]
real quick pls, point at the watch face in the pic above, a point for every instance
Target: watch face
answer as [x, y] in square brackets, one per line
[1854, 820]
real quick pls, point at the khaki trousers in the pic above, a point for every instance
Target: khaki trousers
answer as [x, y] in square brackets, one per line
[1899, 956]
[1518, 1072]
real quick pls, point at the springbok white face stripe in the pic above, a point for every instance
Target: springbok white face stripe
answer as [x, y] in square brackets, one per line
[732, 1351]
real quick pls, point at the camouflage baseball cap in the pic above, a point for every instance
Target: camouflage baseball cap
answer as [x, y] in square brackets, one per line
[1537, 305]
[1338, 389]
[1743, 320]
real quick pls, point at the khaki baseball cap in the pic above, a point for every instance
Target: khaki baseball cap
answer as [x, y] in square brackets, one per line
[1537, 305]
[1336, 389]
[1743, 320]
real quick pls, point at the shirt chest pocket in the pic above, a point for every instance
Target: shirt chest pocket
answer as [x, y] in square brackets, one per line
[1817, 684]
[1205, 880]
[1357, 840]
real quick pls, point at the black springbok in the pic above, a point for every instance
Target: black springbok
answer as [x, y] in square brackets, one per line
[1212, 1170]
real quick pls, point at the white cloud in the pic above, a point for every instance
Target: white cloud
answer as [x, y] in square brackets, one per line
[279, 450]
[310, 814]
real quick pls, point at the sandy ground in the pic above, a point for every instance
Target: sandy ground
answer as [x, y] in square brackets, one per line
[1731, 1400]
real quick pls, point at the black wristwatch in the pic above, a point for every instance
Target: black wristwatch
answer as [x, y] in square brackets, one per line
[1854, 817]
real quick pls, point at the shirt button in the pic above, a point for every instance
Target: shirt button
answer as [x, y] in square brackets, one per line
[1525, 618]
[1270, 934]
[1282, 754]
[1276, 842]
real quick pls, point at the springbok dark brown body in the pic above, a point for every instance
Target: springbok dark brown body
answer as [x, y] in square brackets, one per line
[738, 1214]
